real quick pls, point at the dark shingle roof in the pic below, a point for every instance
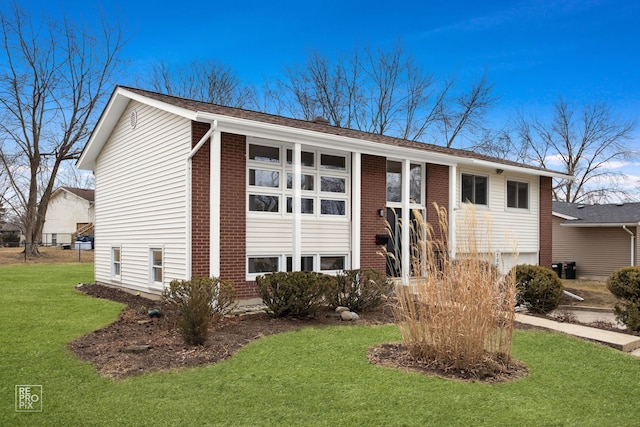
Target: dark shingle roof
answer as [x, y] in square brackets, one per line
[85, 193]
[205, 107]
[623, 213]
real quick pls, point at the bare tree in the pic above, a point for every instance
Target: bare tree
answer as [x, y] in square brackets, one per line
[502, 143]
[586, 143]
[52, 79]
[382, 92]
[202, 80]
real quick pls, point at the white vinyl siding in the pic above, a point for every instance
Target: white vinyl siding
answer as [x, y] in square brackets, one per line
[512, 230]
[63, 216]
[141, 196]
[597, 251]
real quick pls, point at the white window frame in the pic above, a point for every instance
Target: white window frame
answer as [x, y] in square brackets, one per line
[319, 262]
[317, 171]
[252, 276]
[282, 262]
[114, 275]
[153, 267]
[268, 166]
[475, 174]
[506, 194]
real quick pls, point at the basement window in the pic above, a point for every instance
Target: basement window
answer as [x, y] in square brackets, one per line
[156, 265]
[116, 265]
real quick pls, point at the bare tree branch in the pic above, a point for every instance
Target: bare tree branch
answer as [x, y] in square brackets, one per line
[51, 83]
[202, 80]
[384, 92]
[584, 144]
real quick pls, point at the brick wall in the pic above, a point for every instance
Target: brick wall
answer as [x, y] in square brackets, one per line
[437, 192]
[233, 249]
[232, 215]
[200, 202]
[546, 222]
[374, 197]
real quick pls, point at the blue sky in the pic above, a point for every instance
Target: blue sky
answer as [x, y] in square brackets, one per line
[533, 51]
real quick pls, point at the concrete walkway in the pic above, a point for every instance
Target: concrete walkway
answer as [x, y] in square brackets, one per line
[621, 341]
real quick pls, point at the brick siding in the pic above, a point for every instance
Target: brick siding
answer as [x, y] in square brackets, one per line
[374, 197]
[546, 222]
[233, 215]
[437, 192]
[200, 189]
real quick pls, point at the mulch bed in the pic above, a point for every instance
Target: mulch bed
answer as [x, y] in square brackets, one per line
[137, 343]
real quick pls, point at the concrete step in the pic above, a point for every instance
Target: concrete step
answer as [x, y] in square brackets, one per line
[624, 342]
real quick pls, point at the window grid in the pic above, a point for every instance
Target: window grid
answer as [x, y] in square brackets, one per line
[325, 181]
[116, 261]
[156, 265]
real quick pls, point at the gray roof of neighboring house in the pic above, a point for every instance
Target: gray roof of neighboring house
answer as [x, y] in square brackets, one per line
[599, 215]
[9, 228]
[85, 193]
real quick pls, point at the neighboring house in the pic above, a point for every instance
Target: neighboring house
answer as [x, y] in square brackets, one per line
[598, 238]
[11, 229]
[70, 213]
[186, 188]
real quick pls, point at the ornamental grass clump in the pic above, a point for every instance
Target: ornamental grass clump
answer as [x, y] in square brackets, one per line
[456, 313]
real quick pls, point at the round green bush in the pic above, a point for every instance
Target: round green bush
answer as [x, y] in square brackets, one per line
[360, 290]
[624, 284]
[538, 288]
[297, 294]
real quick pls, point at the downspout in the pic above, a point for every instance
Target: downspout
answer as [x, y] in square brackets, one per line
[189, 159]
[633, 244]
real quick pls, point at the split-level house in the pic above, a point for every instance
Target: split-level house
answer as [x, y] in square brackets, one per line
[187, 188]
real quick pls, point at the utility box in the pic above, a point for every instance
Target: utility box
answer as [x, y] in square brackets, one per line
[557, 267]
[382, 239]
[570, 270]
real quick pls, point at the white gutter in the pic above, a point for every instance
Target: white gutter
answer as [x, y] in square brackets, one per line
[370, 146]
[633, 244]
[203, 140]
[189, 160]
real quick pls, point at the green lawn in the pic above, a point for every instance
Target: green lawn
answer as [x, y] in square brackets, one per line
[307, 377]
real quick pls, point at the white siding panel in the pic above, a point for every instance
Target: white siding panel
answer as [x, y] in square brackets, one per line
[505, 228]
[326, 237]
[269, 235]
[273, 235]
[141, 199]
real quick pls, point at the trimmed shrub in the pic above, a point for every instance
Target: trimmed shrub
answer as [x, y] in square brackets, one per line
[199, 302]
[539, 288]
[360, 290]
[295, 294]
[624, 284]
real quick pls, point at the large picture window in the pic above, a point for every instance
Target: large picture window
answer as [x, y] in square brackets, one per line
[518, 194]
[324, 181]
[474, 189]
